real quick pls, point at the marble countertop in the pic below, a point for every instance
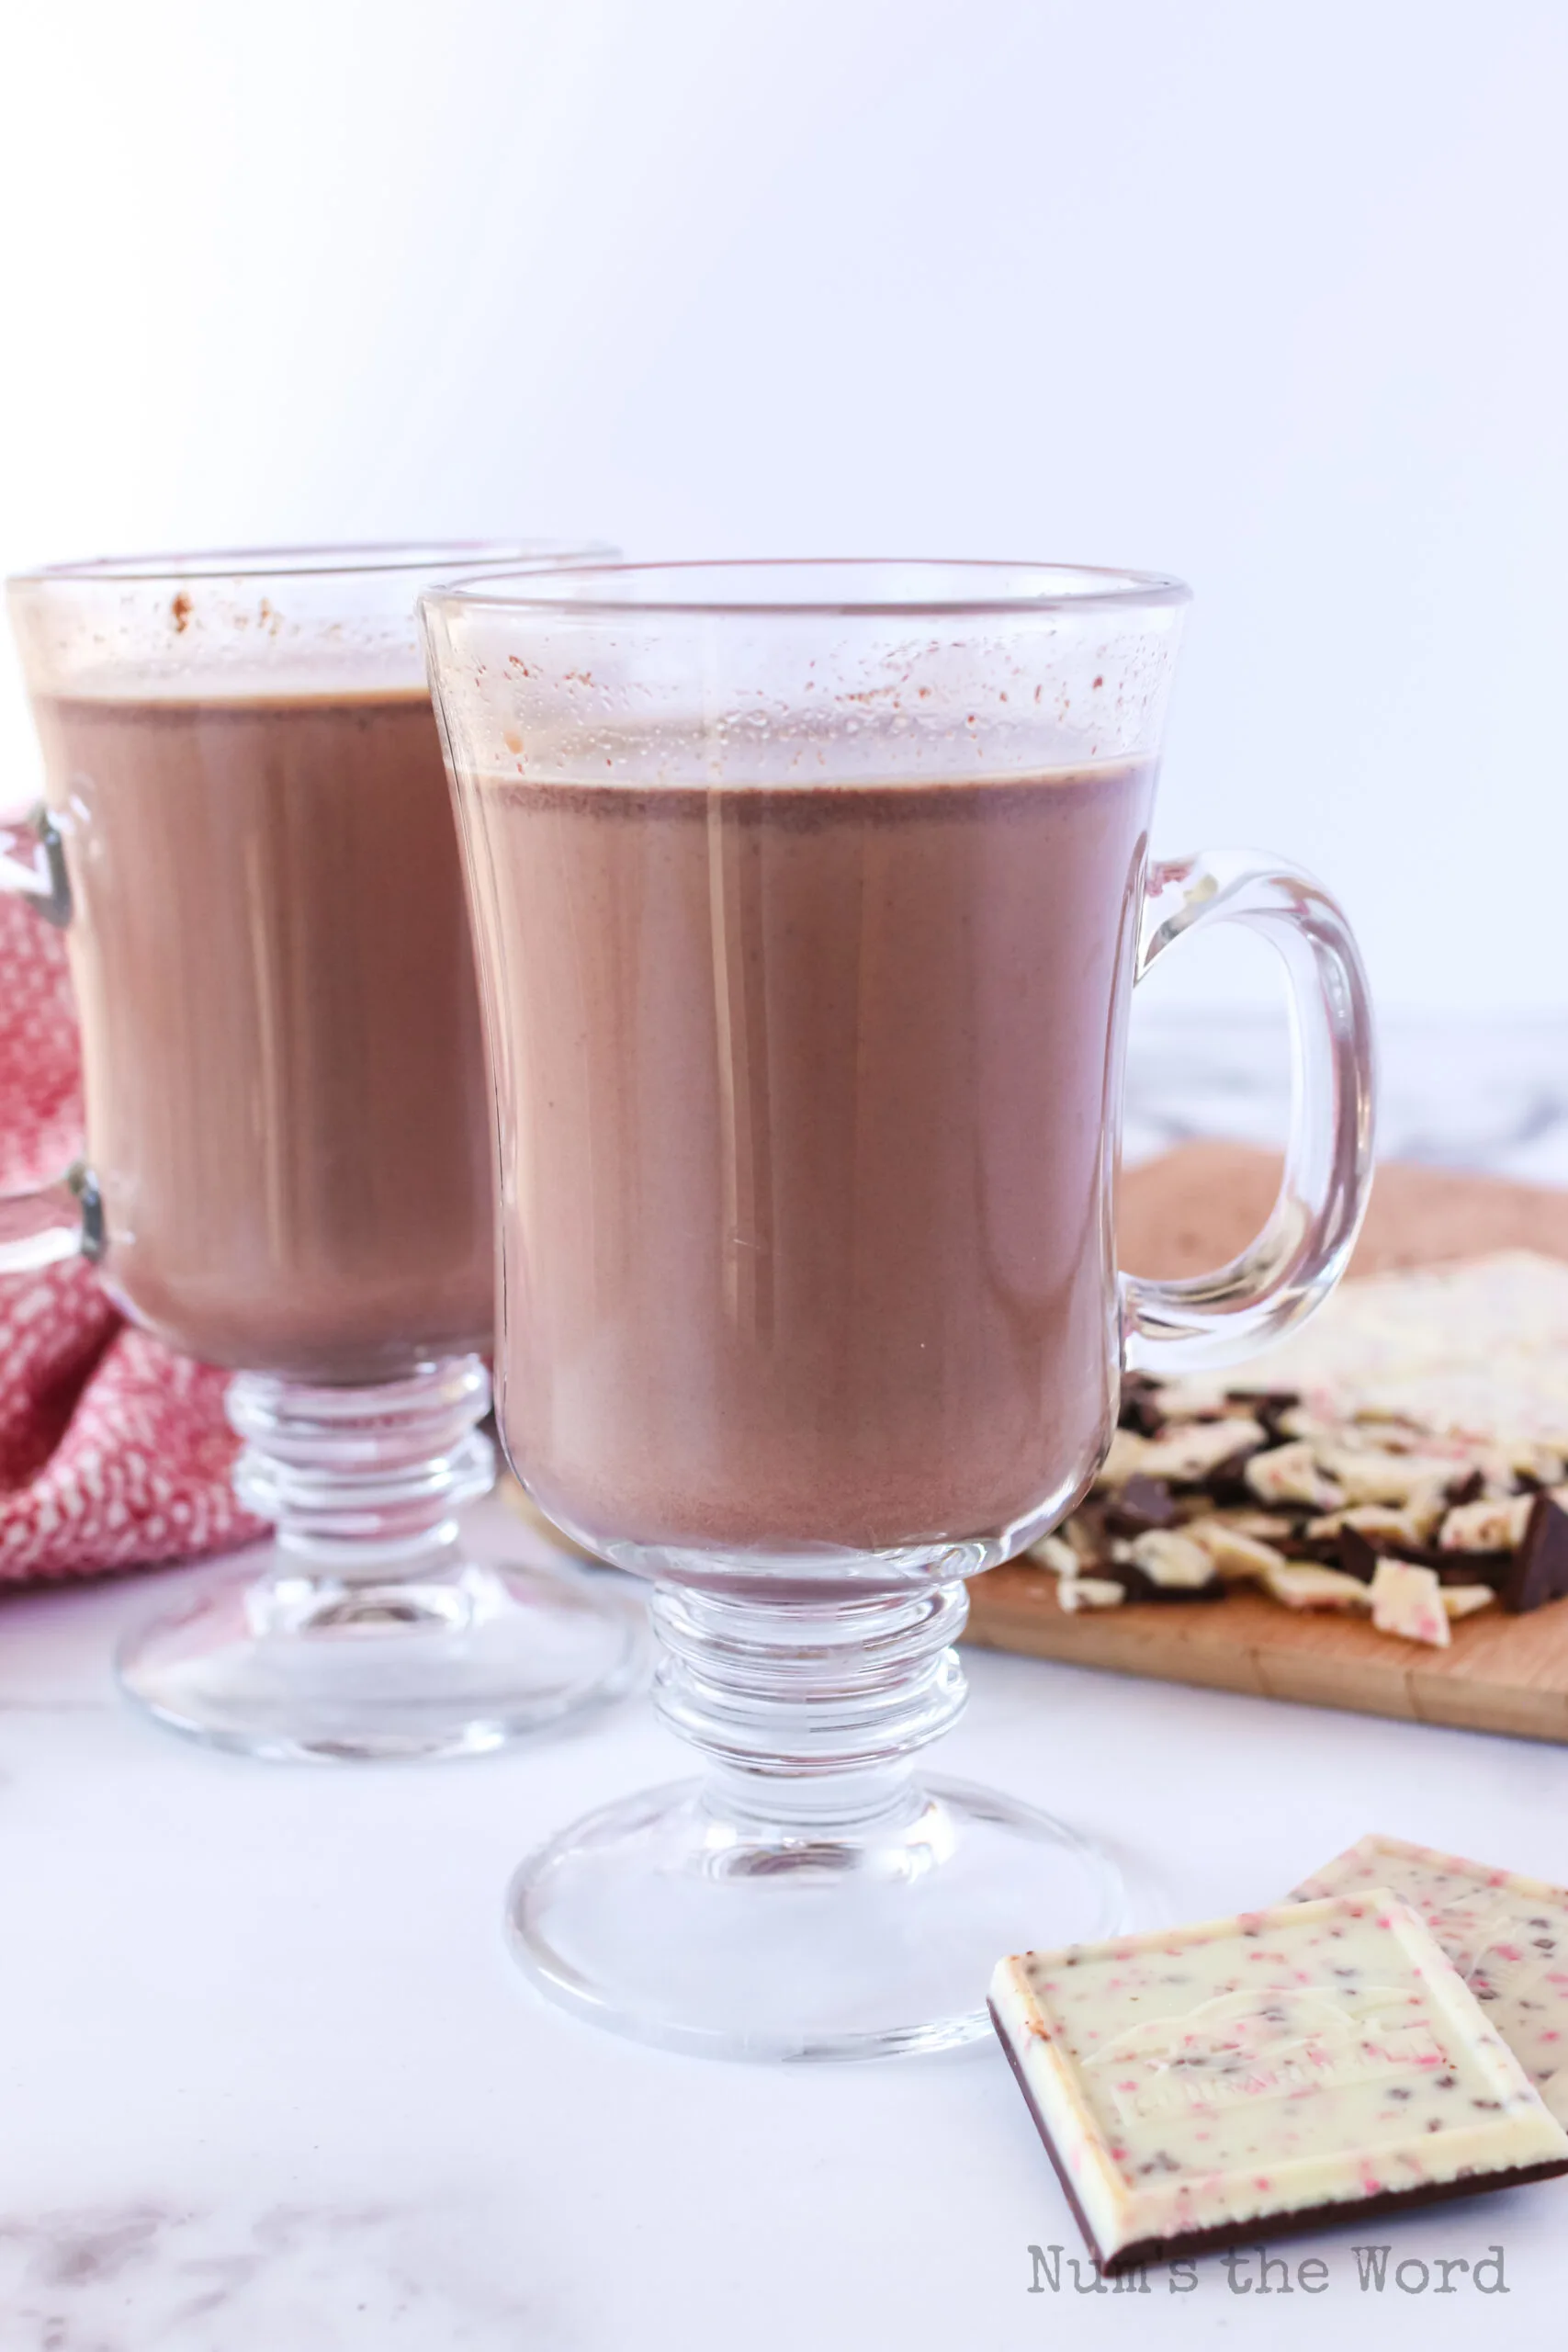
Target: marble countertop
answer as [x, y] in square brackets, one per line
[270, 2082]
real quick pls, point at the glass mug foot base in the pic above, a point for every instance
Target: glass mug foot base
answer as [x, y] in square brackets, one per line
[455, 1664]
[663, 1920]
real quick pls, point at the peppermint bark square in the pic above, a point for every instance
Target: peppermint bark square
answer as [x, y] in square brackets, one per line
[1316, 2061]
[1507, 1935]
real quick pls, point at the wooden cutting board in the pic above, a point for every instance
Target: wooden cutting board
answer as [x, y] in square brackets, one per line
[1195, 1208]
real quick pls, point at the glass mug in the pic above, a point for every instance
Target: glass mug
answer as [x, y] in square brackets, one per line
[247, 833]
[809, 898]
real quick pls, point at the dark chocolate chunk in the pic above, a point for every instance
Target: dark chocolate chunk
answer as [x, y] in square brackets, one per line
[1473, 1567]
[1226, 1482]
[1094, 1547]
[1539, 1570]
[1140, 1504]
[1429, 1555]
[1141, 1409]
[1467, 1489]
[1139, 1587]
[1359, 1553]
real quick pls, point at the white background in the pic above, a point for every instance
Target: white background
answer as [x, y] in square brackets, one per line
[1271, 296]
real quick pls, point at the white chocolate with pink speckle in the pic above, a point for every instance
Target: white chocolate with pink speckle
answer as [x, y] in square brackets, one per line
[1508, 1937]
[1409, 1602]
[1250, 2069]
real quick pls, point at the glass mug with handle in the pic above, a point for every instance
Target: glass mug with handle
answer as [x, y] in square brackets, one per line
[809, 898]
[248, 836]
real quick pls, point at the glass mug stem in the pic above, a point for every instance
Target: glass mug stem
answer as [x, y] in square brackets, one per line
[373, 1630]
[810, 1717]
[362, 1485]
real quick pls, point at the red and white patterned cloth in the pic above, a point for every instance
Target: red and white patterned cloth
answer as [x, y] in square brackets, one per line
[114, 1451]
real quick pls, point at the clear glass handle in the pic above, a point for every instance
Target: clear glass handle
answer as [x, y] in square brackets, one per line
[62, 1219]
[32, 865]
[1209, 1320]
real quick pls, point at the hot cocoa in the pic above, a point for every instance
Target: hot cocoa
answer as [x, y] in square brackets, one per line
[286, 1099]
[804, 1097]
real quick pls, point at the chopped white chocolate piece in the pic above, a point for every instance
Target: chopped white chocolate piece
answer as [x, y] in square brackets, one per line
[1237, 1556]
[1088, 1592]
[1246, 2075]
[1527, 1459]
[1168, 1558]
[1465, 1600]
[1387, 1422]
[1187, 1455]
[1266, 1526]
[1508, 1937]
[1184, 1455]
[1376, 1434]
[1296, 1421]
[1491, 1463]
[1303, 1585]
[1366, 1518]
[1050, 1552]
[1486, 1526]
[1380, 1477]
[1288, 1473]
[1187, 1400]
[1469, 1352]
[1408, 1600]
[1124, 1459]
[1083, 1542]
[1425, 1510]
